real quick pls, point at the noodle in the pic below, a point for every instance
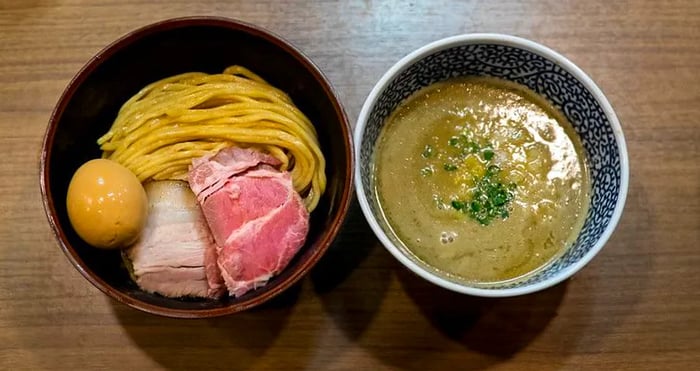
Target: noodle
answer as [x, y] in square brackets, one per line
[163, 127]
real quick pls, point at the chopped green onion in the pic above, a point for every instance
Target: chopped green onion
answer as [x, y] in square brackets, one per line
[500, 199]
[488, 154]
[490, 198]
[449, 167]
[492, 170]
[475, 206]
[427, 151]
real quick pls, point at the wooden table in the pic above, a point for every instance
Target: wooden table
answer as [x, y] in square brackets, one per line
[636, 306]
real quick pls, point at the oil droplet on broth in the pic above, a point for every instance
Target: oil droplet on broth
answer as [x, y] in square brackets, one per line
[447, 237]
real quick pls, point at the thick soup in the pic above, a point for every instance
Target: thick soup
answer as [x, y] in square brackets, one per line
[481, 179]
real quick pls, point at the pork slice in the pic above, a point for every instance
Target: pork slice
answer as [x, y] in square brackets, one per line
[209, 173]
[262, 247]
[257, 219]
[215, 281]
[190, 282]
[243, 199]
[170, 256]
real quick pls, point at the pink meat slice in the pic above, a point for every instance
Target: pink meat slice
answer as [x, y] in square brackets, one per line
[209, 173]
[170, 256]
[257, 219]
[215, 282]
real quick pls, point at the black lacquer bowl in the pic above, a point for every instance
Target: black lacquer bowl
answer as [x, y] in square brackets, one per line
[90, 104]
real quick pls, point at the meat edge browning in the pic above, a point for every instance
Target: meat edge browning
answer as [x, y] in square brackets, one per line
[210, 173]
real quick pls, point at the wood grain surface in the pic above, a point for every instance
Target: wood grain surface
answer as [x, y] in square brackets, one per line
[635, 306]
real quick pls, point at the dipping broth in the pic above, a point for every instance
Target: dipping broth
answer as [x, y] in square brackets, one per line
[481, 179]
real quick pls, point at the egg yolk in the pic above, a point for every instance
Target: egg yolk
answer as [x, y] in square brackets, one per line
[107, 205]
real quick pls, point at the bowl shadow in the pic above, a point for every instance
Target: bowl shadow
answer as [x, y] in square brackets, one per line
[496, 327]
[352, 278]
[352, 246]
[235, 341]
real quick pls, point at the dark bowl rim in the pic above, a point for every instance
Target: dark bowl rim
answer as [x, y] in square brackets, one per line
[128, 39]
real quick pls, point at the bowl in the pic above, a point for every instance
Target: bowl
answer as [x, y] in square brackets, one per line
[90, 103]
[549, 74]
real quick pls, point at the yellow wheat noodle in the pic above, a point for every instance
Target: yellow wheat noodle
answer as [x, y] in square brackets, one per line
[163, 127]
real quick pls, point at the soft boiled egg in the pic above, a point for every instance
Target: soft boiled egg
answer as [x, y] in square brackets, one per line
[107, 205]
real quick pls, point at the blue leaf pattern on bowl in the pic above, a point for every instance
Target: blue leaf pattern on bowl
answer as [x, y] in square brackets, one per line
[544, 77]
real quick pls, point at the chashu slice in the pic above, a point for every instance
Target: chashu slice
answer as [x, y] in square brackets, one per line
[170, 258]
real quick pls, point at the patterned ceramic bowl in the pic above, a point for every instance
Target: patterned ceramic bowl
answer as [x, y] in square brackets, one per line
[547, 73]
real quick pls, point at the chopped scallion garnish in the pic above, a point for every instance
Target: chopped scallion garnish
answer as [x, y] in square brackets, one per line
[449, 167]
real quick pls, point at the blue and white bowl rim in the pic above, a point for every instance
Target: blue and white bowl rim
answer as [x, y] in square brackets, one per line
[506, 40]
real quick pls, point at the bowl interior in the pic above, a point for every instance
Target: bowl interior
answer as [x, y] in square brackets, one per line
[91, 102]
[567, 92]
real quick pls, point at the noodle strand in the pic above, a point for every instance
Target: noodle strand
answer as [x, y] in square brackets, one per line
[163, 127]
